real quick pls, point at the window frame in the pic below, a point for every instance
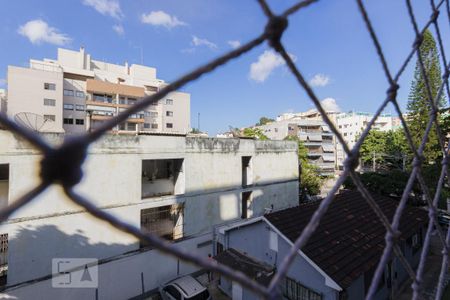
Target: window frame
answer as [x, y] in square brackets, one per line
[50, 117]
[67, 105]
[68, 93]
[49, 100]
[80, 94]
[49, 86]
[69, 121]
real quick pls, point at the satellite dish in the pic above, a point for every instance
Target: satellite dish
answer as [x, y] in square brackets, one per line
[33, 121]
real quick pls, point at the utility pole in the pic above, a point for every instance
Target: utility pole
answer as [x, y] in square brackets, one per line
[373, 162]
[198, 122]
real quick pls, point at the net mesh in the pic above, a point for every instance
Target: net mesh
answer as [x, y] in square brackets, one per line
[62, 164]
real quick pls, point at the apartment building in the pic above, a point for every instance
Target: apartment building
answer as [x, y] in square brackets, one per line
[352, 124]
[313, 132]
[177, 187]
[75, 93]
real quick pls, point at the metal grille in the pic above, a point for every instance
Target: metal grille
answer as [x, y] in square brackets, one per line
[63, 164]
[3, 254]
[163, 221]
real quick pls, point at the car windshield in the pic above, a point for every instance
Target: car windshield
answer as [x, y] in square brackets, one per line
[201, 296]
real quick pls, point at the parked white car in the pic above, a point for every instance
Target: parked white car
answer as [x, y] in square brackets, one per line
[184, 288]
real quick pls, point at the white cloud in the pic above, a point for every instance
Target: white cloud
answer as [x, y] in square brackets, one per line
[319, 80]
[160, 18]
[38, 31]
[119, 29]
[106, 7]
[234, 44]
[196, 41]
[329, 104]
[267, 62]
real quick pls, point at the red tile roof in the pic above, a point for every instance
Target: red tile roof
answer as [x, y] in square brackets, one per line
[350, 238]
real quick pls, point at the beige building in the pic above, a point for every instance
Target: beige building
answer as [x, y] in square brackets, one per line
[75, 93]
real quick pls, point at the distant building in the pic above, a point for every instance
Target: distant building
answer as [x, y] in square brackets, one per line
[313, 131]
[339, 259]
[75, 93]
[352, 124]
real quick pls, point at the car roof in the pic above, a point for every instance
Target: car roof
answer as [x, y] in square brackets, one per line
[188, 285]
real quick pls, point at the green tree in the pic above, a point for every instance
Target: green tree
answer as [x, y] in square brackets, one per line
[374, 145]
[418, 101]
[255, 133]
[264, 121]
[310, 181]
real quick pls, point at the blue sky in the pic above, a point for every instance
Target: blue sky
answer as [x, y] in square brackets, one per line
[328, 40]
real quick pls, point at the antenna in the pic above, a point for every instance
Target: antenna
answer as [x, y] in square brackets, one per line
[33, 121]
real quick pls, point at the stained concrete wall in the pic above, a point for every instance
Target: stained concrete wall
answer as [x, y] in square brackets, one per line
[51, 226]
[26, 93]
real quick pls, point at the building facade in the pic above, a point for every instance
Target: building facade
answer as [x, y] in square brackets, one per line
[313, 132]
[76, 93]
[352, 124]
[174, 186]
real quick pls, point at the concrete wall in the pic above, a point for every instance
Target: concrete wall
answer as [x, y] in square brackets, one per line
[51, 226]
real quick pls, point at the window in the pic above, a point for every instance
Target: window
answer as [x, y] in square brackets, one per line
[293, 290]
[164, 221]
[68, 92]
[49, 117]
[68, 121]
[169, 125]
[131, 101]
[79, 121]
[169, 101]
[154, 126]
[102, 98]
[131, 127]
[3, 258]
[79, 107]
[415, 241]
[152, 114]
[4, 185]
[68, 106]
[49, 102]
[247, 175]
[161, 177]
[122, 100]
[246, 198]
[169, 113]
[146, 125]
[173, 292]
[49, 86]
[79, 94]
[151, 88]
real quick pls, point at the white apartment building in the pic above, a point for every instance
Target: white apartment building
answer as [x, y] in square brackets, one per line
[352, 124]
[174, 186]
[75, 93]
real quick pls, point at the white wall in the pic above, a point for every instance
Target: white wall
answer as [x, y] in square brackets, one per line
[51, 226]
